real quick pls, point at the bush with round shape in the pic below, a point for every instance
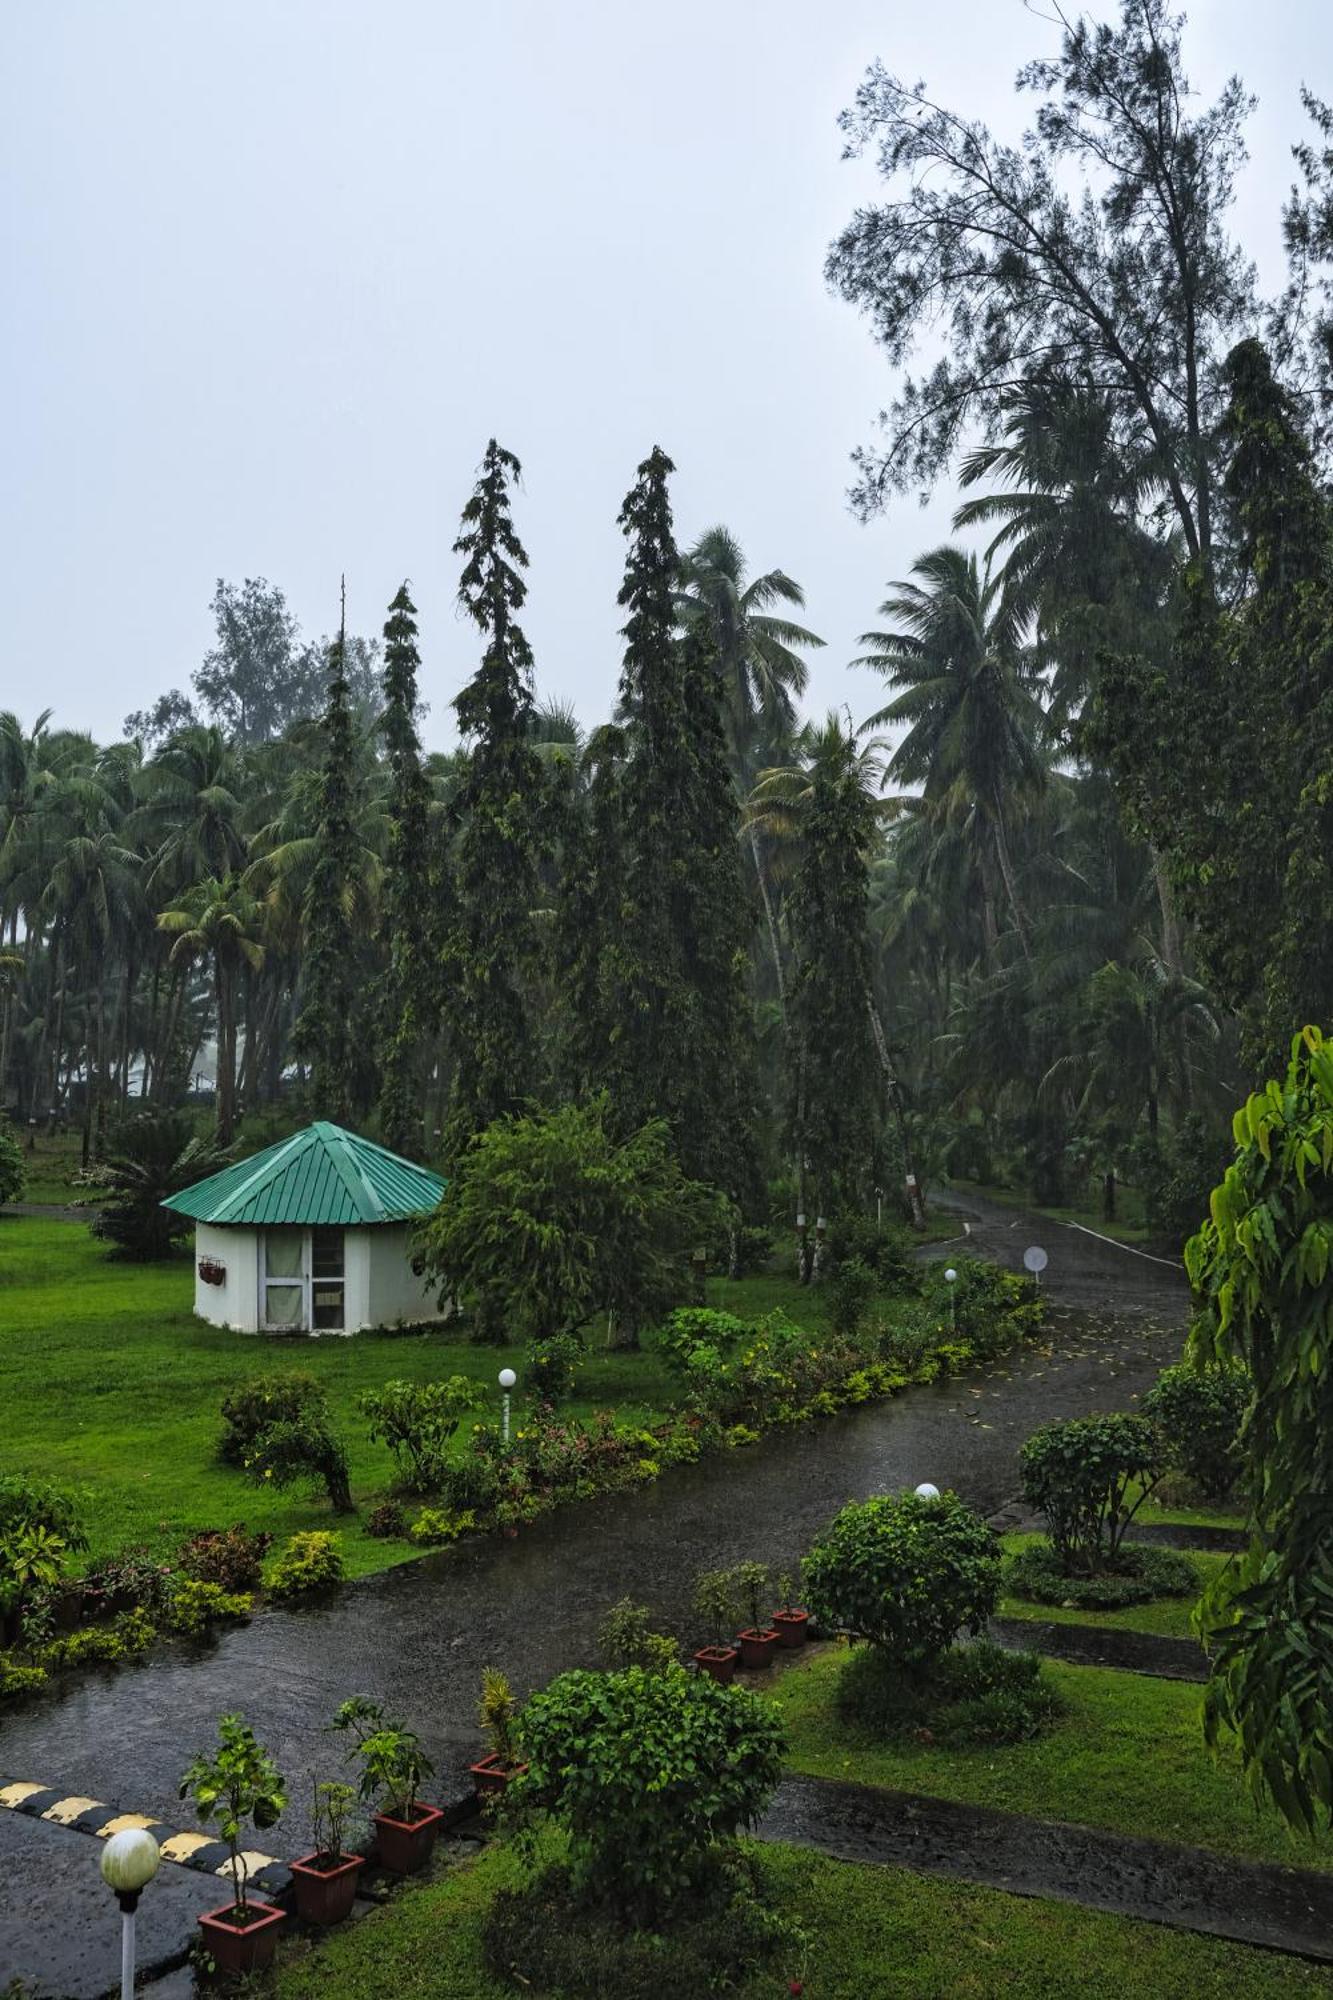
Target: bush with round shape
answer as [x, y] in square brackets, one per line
[1080, 1473]
[646, 1773]
[906, 1574]
[256, 1406]
[1141, 1575]
[307, 1563]
[232, 1557]
[550, 1367]
[1199, 1412]
[851, 1293]
[417, 1420]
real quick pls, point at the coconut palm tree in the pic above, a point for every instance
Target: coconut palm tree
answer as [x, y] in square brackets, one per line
[219, 920]
[968, 692]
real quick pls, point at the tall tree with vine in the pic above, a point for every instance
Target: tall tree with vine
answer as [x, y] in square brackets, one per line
[491, 943]
[404, 994]
[326, 1030]
[683, 1045]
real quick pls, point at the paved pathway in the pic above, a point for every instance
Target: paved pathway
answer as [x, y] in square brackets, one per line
[1188, 1888]
[418, 1636]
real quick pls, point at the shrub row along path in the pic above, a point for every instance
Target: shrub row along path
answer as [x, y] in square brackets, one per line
[418, 1637]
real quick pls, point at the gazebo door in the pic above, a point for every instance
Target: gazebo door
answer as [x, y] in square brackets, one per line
[287, 1280]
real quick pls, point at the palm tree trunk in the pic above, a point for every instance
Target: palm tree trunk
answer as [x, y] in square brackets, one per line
[770, 919]
[894, 1091]
[226, 1076]
[1002, 855]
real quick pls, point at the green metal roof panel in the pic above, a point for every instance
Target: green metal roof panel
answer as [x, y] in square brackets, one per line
[321, 1176]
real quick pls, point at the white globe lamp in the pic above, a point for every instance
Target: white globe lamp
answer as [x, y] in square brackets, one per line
[129, 1862]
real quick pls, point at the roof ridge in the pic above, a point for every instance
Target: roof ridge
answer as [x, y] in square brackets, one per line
[264, 1164]
[344, 1168]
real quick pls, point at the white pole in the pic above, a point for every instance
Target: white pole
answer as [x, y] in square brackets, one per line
[127, 1955]
[504, 1424]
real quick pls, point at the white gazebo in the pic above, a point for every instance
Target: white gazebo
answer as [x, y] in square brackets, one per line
[311, 1236]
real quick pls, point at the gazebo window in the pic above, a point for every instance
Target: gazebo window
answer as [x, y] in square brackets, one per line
[326, 1280]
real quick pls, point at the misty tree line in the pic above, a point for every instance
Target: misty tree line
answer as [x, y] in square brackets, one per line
[1038, 916]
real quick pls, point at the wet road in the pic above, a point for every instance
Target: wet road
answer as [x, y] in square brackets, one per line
[418, 1637]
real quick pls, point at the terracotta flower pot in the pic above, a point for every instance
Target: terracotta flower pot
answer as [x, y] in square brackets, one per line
[757, 1648]
[234, 1948]
[792, 1627]
[719, 1662]
[405, 1844]
[325, 1895]
[492, 1776]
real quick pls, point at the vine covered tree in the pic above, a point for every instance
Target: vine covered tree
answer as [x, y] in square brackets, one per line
[405, 997]
[326, 1026]
[491, 943]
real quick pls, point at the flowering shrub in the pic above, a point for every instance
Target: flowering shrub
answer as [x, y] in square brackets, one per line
[552, 1365]
[231, 1558]
[120, 1582]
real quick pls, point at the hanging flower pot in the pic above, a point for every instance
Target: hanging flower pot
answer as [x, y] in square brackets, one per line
[211, 1272]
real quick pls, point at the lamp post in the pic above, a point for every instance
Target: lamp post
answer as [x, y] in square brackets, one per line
[925, 1491]
[801, 1271]
[129, 1862]
[507, 1381]
[951, 1279]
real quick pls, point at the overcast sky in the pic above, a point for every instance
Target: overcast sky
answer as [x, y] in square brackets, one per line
[274, 270]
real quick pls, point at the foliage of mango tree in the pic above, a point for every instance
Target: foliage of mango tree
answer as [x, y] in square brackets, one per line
[1260, 1267]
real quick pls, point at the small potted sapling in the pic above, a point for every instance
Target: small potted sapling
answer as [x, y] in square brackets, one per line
[715, 1602]
[791, 1621]
[238, 1783]
[496, 1716]
[325, 1879]
[393, 1765]
[759, 1639]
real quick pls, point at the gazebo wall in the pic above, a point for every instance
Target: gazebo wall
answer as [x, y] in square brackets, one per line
[395, 1291]
[235, 1302]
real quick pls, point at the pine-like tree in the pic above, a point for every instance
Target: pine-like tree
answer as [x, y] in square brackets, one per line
[325, 1031]
[684, 1038]
[490, 936]
[404, 996]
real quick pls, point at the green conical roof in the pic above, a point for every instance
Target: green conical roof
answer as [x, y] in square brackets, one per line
[323, 1176]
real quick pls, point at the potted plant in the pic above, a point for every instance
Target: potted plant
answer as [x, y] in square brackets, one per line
[393, 1764]
[759, 1640]
[325, 1880]
[715, 1602]
[791, 1621]
[238, 1783]
[496, 1716]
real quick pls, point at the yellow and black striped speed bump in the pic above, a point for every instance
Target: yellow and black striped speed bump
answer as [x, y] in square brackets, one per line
[190, 1850]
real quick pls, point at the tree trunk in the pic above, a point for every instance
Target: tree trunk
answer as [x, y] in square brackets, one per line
[1002, 855]
[770, 919]
[895, 1096]
[225, 1080]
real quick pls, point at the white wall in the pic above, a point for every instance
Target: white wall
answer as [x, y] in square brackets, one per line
[396, 1293]
[235, 1302]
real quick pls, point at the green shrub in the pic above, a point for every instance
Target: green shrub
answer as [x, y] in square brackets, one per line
[882, 1247]
[309, 1562]
[646, 1773]
[991, 1307]
[387, 1522]
[625, 1638]
[850, 1297]
[1139, 1575]
[195, 1605]
[13, 1173]
[18, 1681]
[258, 1405]
[101, 1645]
[1199, 1412]
[550, 1367]
[303, 1451]
[123, 1581]
[976, 1694]
[35, 1503]
[906, 1574]
[690, 1327]
[1080, 1474]
[417, 1420]
[393, 1763]
[231, 1558]
[436, 1526]
[547, 1936]
[238, 1784]
[152, 1155]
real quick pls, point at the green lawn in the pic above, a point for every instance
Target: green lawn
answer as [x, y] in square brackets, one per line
[110, 1384]
[51, 1165]
[1128, 1754]
[1169, 1617]
[873, 1933]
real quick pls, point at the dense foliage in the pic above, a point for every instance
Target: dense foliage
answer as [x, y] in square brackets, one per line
[1199, 1412]
[1089, 1476]
[1260, 1267]
[905, 1573]
[647, 1772]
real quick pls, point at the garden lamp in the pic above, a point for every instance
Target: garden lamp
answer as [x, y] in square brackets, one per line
[507, 1381]
[129, 1862]
[951, 1279]
[925, 1491]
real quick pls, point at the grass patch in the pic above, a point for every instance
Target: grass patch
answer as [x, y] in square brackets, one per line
[974, 1695]
[110, 1384]
[1168, 1618]
[1127, 1754]
[1142, 1574]
[872, 1932]
[51, 1164]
